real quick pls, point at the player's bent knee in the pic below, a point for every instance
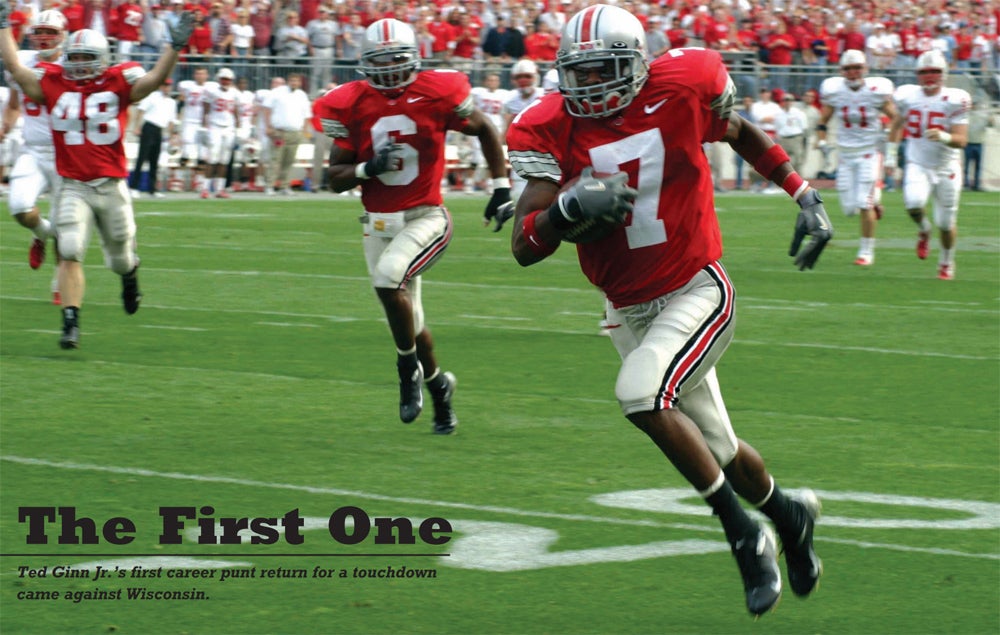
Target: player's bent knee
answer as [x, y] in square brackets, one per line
[70, 246]
[639, 380]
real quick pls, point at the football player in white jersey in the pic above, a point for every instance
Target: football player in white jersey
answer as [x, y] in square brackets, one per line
[489, 98]
[524, 75]
[935, 120]
[247, 149]
[34, 171]
[220, 120]
[858, 102]
[193, 134]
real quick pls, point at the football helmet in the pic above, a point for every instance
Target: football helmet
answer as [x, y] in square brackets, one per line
[606, 42]
[49, 44]
[854, 67]
[225, 74]
[93, 47]
[389, 55]
[932, 70]
[525, 76]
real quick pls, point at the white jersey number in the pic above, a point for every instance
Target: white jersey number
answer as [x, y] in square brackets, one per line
[410, 168]
[647, 148]
[93, 118]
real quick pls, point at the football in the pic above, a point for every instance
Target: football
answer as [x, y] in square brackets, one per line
[590, 230]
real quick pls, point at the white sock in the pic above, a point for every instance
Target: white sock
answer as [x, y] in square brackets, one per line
[220, 184]
[947, 257]
[925, 225]
[43, 230]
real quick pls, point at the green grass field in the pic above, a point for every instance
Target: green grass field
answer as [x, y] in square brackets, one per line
[259, 378]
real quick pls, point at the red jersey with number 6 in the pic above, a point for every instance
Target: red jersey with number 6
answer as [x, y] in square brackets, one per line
[89, 119]
[360, 118]
[673, 231]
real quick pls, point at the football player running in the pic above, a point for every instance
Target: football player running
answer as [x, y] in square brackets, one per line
[34, 171]
[935, 119]
[388, 136]
[857, 102]
[636, 166]
[88, 102]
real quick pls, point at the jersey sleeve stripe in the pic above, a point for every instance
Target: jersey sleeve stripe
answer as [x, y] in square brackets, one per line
[465, 108]
[133, 74]
[535, 165]
[333, 128]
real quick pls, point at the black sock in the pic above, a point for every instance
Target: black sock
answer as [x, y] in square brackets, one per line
[71, 315]
[735, 520]
[780, 510]
[437, 386]
[406, 363]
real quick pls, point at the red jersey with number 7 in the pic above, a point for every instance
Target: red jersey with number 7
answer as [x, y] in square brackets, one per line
[672, 232]
[89, 118]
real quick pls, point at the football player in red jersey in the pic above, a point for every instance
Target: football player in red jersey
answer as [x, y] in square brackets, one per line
[668, 296]
[88, 103]
[389, 137]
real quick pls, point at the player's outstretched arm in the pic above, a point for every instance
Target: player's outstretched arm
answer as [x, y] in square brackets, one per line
[179, 36]
[771, 162]
[23, 75]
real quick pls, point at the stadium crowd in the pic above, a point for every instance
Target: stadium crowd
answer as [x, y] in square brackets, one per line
[777, 32]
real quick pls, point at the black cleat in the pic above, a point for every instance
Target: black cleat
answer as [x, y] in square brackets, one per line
[445, 420]
[756, 556]
[411, 392]
[804, 567]
[70, 337]
[131, 296]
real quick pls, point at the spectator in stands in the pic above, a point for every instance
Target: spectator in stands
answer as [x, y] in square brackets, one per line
[502, 43]
[291, 40]
[201, 37]
[262, 20]
[128, 18]
[323, 33]
[288, 116]
[97, 17]
[543, 44]
[656, 39]
[781, 46]
[466, 42]
[155, 33]
[554, 16]
[945, 42]
[852, 37]
[882, 48]
[222, 36]
[351, 35]
[243, 35]
[72, 10]
[444, 36]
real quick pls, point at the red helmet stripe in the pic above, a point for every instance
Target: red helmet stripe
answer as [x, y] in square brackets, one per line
[587, 25]
[386, 30]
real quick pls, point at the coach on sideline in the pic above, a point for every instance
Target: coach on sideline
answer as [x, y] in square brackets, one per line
[288, 115]
[156, 114]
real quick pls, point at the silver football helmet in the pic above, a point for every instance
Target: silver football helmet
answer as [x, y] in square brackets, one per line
[606, 42]
[48, 34]
[932, 70]
[390, 58]
[87, 55]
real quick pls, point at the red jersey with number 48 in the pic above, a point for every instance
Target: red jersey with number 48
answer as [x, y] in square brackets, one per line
[673, 231]
[360, 118]
[89, 119]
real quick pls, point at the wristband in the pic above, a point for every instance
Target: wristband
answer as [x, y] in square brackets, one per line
[944, 137]
[795, 185]
[538, 246]
[500, 182]
[821, 127]
[558, 217]
[359, 171]
[768, 162]
[891, 153]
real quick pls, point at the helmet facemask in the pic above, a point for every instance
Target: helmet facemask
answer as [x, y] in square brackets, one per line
[621, 75]
[48, 42]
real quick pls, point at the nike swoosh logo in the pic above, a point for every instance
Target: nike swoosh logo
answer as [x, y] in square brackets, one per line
[651, 109]
[410, 100]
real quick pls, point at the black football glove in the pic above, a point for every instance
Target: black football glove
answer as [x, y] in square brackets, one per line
[812, 221]
[180, 33]
[499, 209]
[389, 157]
[607, 198]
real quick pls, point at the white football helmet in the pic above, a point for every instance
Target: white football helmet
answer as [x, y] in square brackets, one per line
[225, 73]
[49, 43]
[854, 67]
[609, 42]
[389, 55]
[524, 74]
[932, 70]
[93, 48]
